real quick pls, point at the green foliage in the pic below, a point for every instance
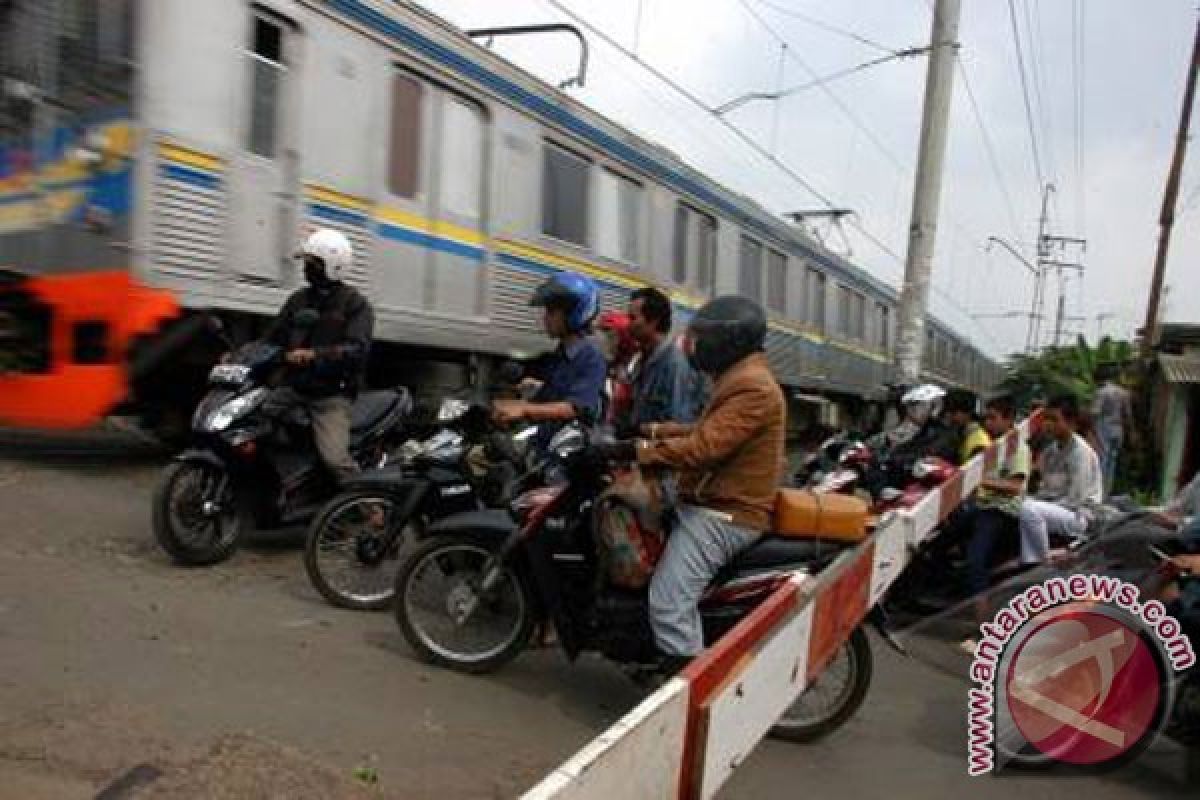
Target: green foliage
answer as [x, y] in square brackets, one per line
[1064, 370]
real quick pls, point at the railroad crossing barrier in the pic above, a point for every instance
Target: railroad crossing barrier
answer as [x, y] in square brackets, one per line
[685, 740]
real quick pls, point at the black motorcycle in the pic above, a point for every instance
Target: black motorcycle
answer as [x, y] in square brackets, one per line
[470, 595]
[462, 464]
[254, 462]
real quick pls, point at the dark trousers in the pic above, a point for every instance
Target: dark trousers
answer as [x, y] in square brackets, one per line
[988, 526]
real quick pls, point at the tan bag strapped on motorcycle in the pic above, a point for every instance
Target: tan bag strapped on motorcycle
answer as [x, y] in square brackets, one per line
[804, 514]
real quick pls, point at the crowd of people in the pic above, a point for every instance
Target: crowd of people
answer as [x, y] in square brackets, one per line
[706, 406]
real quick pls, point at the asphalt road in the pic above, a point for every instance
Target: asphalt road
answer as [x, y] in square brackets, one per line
[110, 657]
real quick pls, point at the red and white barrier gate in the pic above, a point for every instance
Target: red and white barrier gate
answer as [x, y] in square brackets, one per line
[686, 739]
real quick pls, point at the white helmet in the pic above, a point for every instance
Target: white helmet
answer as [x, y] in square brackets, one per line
[923, 402]
[334, 250]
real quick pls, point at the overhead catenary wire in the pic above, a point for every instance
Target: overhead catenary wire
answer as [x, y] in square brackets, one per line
[825, 26]
[990, 148]
[858, 123]
[846, 111]
[1033, 143]
[1033, 31]
[761, 151]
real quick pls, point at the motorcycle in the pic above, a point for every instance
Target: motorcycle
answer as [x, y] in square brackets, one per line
[253, 462]
[464, 464]
[470, 595]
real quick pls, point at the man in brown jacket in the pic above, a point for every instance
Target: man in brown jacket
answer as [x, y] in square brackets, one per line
[730, 464]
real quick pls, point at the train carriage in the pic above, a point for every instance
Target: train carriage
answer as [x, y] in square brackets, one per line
[159, 161]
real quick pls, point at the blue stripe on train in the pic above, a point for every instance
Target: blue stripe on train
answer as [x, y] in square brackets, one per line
[195, 177]
[421, 239]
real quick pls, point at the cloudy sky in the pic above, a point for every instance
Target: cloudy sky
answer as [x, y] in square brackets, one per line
[1105, 84]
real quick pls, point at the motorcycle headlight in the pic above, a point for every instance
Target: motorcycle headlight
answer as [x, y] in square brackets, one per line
[236, 408]
[451, 409]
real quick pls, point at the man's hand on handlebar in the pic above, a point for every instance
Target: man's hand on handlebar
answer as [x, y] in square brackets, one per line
[508, 412]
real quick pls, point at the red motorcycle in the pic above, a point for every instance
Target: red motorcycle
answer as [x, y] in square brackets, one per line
[470, 595]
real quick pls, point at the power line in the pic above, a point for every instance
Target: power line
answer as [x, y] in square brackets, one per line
[1045, 117]
[691, 98]
[825, 26]
[781, 93]
[762, 152]
[1016, 31]
[870, 135]
[1083, 118]
[845, 109]
[990, 148]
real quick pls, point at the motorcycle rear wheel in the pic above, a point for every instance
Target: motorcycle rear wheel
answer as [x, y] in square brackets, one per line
[501, 623]
[183, 528]
[812, 716]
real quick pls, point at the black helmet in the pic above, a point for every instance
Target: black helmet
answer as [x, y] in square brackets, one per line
[725, 331]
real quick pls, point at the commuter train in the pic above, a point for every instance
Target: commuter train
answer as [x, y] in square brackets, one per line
[161, 159]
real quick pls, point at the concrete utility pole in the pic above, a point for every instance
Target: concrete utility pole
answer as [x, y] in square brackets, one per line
[918, 266]
[1166, 219]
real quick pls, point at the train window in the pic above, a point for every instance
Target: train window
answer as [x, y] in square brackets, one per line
[267, 71]
[679, 264]
[404, 146]
[777, 282]
[565, 195]
[815, 282]
[750, 269]
[618, 217]
[695, 241]
[852, 316]
[706, 251]
[884, 336]
[462, 158]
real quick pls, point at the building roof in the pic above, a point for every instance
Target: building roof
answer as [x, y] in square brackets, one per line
[1175, 335]
[1180, 369]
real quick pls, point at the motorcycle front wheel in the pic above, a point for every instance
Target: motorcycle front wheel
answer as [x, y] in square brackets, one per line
[197, 519]
[352, 548]
[448, 619]
[833, 697]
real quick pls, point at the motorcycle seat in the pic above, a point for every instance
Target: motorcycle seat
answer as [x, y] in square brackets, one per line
[370, 409]
[776, 551]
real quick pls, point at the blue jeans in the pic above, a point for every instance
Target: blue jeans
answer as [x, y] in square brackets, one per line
[989, 526]
[697, 548]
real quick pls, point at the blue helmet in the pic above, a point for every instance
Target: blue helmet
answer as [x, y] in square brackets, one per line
[574, 294]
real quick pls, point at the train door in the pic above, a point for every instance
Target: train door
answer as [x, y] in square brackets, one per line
[433, 219]
[403, 250]
[455, 285]
[262, 180]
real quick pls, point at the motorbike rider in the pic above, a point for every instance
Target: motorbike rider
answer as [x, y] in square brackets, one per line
[665, 387]
[960, 418]
[328, 354]
[569, 382]
[921, 432]
[730, 463]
